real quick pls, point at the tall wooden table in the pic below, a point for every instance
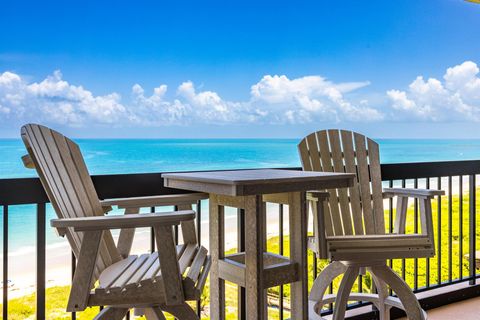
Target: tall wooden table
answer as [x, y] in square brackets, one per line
[255, 269]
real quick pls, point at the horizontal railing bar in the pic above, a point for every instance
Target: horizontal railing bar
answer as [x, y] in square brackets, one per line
[21, 191]
[412, 170]
[14, 191]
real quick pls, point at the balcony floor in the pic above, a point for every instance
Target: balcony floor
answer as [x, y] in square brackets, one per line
[463, 310]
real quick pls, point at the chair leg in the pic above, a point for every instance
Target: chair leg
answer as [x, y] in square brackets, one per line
[111, 313]
[323, 281]
[341, 300]
[382, 291]
[181, 312]
[403, 291]
[154, 314]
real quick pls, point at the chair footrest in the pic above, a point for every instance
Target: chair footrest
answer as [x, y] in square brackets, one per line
[277, 270]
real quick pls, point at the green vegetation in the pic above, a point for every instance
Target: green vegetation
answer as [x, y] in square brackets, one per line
[24, 307]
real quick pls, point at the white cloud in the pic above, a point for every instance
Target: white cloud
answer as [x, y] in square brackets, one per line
[55, 100]
[274, 99]
[311, 98]
[155, 110]
[208, 105]
[456, 98]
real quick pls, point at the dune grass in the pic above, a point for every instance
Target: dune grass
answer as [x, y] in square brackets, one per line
[449, 253]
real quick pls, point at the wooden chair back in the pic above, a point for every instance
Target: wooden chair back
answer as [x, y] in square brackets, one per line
[359, 209]
[65, 178]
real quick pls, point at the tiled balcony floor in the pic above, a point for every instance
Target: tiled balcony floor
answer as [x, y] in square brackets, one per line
[463, 310]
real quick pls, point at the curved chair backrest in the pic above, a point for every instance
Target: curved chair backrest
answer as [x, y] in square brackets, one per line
[358, 209]
[65, 178]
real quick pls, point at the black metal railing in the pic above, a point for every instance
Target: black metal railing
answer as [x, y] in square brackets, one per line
[441, 175]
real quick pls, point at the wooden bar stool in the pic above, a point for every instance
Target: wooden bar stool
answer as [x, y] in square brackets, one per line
[349, 226]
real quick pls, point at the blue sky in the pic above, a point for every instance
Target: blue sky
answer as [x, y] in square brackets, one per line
[243, 69]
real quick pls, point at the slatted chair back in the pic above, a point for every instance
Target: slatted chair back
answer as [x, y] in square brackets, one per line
[65, 178]
[359, 209]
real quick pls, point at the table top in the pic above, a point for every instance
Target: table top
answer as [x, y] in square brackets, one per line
[258, 181]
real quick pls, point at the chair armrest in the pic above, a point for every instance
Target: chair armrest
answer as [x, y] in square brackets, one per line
[120, 222]
[410, 192]
[387, 195]
[106, 209]
[28, 162]
[155, 201]
[317, 195]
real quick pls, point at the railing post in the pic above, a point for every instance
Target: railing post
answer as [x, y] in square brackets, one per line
[439, 233]
[280, 249]
[74, 266]
[472, 229]
[152, 234]
[460, 227]
[175, 228]
[199, 240]
[40, 263]
[5, 263]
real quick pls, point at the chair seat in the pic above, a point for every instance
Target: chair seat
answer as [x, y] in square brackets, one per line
[387, 246]
[137, 271]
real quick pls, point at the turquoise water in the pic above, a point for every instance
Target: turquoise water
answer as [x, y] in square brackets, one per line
[128, 156]
[134, 156]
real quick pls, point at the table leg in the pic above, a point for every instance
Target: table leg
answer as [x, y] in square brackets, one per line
[298, 253]
[217, 251]
[254, 229]
[241, 248]
[264, 249]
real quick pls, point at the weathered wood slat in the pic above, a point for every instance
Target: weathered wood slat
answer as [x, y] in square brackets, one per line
[137, 277]
[187, 257]
[354, 194]
[376, 178]
[327, 166]
[315, 160]
[128, 273]
[304, 155]
[107, 278]
[197, 264]
[152, 272]
[338, 166]
[364, 181]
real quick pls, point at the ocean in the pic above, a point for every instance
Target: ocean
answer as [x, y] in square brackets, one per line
[109, 156]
